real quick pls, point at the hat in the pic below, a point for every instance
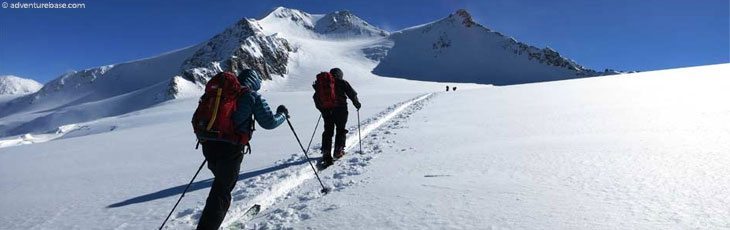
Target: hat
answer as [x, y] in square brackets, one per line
[250, 78]
[336, 72]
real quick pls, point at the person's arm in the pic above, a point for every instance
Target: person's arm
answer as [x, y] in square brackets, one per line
[263, 114]
[352, 94]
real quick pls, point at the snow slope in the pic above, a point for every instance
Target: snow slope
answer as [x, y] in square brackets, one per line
[10, 84]
[92, 94]
[458, 49]
[127, 173]
[641, 151]
[344, 23]
[638, 151]
[12, 87]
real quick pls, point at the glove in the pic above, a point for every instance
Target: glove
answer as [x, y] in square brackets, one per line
[357, 104]
[282, 110]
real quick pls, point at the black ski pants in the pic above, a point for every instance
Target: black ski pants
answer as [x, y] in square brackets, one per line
[224, 160]
[333, 118]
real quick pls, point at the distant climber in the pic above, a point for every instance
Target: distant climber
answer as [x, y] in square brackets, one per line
[223, 124]
[454, 89]
[331, 92]
[447, 88]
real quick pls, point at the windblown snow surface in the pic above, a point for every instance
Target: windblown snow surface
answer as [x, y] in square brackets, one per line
[634, 151]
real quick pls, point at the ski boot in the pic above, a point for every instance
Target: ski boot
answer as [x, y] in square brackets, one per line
[326, 160]
[339, 152]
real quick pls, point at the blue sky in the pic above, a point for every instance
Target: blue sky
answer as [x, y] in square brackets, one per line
[618, 34]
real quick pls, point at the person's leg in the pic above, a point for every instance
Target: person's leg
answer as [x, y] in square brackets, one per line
[226, 171]
[211, 150]
[329, 130]
[340, 115]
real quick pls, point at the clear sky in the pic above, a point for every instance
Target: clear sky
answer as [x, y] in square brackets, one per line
[618, 34]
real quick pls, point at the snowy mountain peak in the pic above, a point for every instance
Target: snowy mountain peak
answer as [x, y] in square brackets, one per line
[458, 44]
[341, 23]
[10, 84]
[283, 12]
[461, 18]
[344, 22]
[298, 17]
[465, 17]
[77, 79]
[240, 46]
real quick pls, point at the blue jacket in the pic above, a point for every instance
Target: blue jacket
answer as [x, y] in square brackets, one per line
[251, 103]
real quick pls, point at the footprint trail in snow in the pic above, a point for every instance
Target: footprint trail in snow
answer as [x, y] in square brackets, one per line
[290, 183]
[342, 175]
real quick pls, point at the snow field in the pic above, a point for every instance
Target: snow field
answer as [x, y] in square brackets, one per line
[269, 188]
[638, 151]
[635, 151]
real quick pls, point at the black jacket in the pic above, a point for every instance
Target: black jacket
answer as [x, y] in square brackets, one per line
[343, 90]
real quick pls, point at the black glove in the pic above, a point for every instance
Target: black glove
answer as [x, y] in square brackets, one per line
[356, 104]
[282, 110]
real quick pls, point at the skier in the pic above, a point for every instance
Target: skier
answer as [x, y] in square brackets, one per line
[224, 157]
[332, 103]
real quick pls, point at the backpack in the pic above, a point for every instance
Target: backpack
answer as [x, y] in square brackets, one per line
[213, 119]
[324, 87]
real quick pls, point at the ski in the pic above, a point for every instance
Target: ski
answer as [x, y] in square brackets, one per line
[247, 216]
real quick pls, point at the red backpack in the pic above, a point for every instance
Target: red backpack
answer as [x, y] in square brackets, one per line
[213, 119]
[324, 87]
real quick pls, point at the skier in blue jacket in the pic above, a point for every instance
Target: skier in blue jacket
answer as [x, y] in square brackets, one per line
[224, 158]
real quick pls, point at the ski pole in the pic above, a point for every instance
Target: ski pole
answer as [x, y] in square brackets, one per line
[183, 194]
[325, 190]
[359, 136]
[314, 132]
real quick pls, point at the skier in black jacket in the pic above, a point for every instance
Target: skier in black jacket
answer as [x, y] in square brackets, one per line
[336, 117]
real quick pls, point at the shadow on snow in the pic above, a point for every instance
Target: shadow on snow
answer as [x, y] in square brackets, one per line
[177, 190]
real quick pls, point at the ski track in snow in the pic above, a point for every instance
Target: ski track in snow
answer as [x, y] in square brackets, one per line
[340, 176]
[269, 188]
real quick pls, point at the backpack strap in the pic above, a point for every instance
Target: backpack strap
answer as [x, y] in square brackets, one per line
[218, 93]
[215, 109]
